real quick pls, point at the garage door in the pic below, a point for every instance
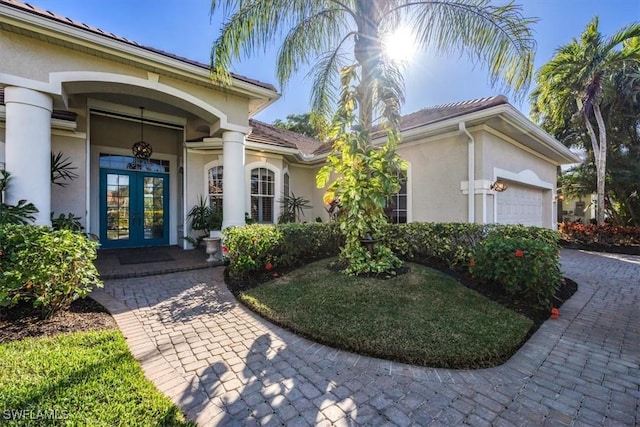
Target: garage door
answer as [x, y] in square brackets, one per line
[519, 205]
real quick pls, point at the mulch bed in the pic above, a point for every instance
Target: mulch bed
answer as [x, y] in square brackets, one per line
[23, 321]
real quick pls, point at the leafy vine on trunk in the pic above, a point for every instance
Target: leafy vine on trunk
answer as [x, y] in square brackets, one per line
[367, 175]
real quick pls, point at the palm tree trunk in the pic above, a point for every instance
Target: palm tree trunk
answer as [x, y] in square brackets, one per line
[367, 51]
[601, 165]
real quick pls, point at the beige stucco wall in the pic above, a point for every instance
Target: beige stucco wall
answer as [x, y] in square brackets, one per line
[303, 184]
[44, 58]
[72, 197]
[438, 166]
[497, 151]
[112, 132]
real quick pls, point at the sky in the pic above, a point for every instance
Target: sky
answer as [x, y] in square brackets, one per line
[186, 28]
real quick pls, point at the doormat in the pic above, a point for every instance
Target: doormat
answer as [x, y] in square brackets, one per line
[143, 256]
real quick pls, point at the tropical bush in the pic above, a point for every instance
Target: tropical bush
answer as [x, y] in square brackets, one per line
[604, 234]
[453, 243]
[257, 249]
[66, 222]
[252, 248]
[21, 213]
[522, 266]
[48, 268]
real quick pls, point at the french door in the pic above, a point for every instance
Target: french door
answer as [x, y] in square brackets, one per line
[134, 208]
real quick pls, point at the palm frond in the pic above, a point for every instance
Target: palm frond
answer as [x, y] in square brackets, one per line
[497, 35]
[325, 79]
[254, 25]
[308, 40]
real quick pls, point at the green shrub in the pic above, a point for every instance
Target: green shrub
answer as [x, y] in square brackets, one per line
[46, 267]
[450, 243]
[257, 248]
[522, 266]
[454, 243]
[546, 235]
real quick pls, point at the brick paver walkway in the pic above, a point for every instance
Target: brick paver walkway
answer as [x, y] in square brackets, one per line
[223, 365]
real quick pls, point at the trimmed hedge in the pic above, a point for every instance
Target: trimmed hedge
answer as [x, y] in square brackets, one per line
[454, 243]
[257, 249]
[48, 268]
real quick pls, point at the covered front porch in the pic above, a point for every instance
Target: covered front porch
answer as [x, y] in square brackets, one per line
[67, 88]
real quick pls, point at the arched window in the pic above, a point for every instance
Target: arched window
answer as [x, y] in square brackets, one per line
[215, 187]
[262, 195]
[397, 204]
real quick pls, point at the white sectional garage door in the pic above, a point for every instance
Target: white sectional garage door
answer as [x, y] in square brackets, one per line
[519, 205]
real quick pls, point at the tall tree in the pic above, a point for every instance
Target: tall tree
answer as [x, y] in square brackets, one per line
[308, 124]
[346, 39]
[569, 91]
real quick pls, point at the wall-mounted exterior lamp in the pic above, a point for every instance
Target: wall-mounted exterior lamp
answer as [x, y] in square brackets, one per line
[499, 186]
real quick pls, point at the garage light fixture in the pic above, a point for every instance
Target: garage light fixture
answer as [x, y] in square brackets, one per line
[499, 186]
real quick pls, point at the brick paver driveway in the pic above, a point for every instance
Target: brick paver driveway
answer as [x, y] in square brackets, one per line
[225, 366]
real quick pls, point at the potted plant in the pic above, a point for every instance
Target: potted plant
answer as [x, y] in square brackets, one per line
[214, 222]
[206, 219]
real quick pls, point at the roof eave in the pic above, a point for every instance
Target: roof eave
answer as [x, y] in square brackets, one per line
[58, 30]
[512, 116]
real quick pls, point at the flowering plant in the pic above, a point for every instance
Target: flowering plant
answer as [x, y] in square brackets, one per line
[521, 266]
[606, 233]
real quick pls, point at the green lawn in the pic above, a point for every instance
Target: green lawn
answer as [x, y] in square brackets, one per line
[84, 379]
[423, 317]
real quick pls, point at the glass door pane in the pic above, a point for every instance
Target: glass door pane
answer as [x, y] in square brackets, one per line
[118, 206]
[153, 205]
[134, 208]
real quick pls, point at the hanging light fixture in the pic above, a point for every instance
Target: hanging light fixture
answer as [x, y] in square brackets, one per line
[142, 150]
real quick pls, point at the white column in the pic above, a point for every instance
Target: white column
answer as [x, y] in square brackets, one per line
[28, 149]
[233, 179]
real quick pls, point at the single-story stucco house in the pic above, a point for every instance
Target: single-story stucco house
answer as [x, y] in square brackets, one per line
[71, 88]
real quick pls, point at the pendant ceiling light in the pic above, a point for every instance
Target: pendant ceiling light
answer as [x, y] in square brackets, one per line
[142, 150]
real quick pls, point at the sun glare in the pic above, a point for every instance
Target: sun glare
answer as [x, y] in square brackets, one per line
[399, 46]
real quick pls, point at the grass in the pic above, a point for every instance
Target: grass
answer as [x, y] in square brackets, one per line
[423, 317]
[85, 378]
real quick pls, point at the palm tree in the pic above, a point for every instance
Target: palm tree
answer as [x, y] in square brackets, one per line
[335, 32]
[346, 39]
[570, 87]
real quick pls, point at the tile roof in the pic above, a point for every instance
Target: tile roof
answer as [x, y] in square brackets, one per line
[446, 111]
[435, 114]
[268, 134]
[26, 7]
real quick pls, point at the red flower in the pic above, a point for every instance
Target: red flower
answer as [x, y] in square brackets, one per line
[225, 250]
[269, 266]
[555, 313]
[519, 253]
[472, 262]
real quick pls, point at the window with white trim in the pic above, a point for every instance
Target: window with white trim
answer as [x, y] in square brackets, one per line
[397, 204]
[215, 187]
[262, 195]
